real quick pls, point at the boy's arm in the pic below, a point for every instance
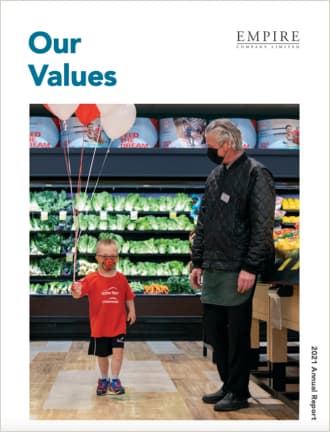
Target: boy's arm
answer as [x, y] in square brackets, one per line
[131, 316]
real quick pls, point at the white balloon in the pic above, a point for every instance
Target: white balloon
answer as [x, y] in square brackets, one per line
[106, 108]
[63, 111]
[119, 121]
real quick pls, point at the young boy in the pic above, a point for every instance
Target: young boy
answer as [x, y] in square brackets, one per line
[109, 294]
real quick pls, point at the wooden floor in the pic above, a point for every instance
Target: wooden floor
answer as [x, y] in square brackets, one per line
[163, 380]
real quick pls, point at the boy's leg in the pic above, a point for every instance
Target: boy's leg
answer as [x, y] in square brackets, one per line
[104, 382]
[103, 363]
[101, 348]
[116, 361]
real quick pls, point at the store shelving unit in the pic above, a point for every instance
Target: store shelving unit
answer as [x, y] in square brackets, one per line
[151, 164]
[147, 170]
[58, 316]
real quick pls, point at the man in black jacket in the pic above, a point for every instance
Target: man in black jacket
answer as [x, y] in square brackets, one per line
[233, 243]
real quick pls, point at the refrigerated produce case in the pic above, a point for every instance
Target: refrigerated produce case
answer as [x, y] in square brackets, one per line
[154, 253]
[146, 172]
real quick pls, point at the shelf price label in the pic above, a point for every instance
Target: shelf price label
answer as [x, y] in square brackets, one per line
[69, 257]
[44, 215]
[62, 215]
[103, 215]
[134, 215]
[172, 214]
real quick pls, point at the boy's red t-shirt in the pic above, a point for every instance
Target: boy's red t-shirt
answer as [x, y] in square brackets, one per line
[107, 298]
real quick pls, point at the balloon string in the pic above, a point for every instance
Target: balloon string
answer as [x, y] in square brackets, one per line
[86, 187]
[78, 231]
[97, 180]
[80, 168]
[92, 161]
[90, 169]
[74, 210]
[102, 167]
[67, 162]
[100, 172]
[76, 214]
[66, 148]
[75, 252]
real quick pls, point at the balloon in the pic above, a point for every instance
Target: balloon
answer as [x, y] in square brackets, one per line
[86, 113]
[62, 111]
[119, 121]
[106, 108]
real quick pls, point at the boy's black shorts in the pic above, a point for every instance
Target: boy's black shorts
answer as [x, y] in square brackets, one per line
[102, 346]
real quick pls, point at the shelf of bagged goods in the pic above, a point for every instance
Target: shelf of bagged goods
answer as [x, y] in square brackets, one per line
[168, 163]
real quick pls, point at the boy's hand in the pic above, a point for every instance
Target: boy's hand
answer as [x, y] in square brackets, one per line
[131, 317]
[76, 289]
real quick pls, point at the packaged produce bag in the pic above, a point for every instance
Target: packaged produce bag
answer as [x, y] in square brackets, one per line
[74, 134]
[278, 134]
[182, 132]
[143, 134]
[44, 132]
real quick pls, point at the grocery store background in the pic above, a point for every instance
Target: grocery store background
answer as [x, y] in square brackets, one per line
[144, 190]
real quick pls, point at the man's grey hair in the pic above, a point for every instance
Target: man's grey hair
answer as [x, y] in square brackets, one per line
[224, 130]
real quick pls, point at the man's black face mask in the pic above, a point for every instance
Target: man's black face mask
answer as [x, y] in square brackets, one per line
[212, 154]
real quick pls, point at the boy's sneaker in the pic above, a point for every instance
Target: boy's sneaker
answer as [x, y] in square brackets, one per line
[115, 387]
[102, 386]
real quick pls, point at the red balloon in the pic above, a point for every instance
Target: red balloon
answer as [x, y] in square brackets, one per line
[86, 113]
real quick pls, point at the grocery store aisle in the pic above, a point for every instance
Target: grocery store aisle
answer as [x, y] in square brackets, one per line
[163, 380]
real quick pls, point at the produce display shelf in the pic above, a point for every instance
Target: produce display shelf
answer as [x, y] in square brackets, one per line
[148, 232]
[159, 317]
[122, 255]
[288, 225]
[291, 212]
[114, 212]
[137, 294]
[286, 272]
[48, 278]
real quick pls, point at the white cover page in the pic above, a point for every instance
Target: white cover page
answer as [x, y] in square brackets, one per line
[199, 52]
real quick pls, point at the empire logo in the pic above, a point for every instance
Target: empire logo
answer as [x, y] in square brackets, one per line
[267, 39]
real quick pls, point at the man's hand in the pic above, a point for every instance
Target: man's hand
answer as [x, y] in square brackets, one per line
[245, 281]
[196, 278]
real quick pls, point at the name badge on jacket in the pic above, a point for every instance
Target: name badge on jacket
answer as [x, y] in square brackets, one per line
[225, 197]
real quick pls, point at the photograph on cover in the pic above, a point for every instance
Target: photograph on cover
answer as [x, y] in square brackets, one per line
[160, 163]
[129, 189]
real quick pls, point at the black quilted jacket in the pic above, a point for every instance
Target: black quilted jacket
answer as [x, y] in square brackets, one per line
[235, 225]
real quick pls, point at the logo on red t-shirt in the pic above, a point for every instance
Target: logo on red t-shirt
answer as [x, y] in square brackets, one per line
[112, 294]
